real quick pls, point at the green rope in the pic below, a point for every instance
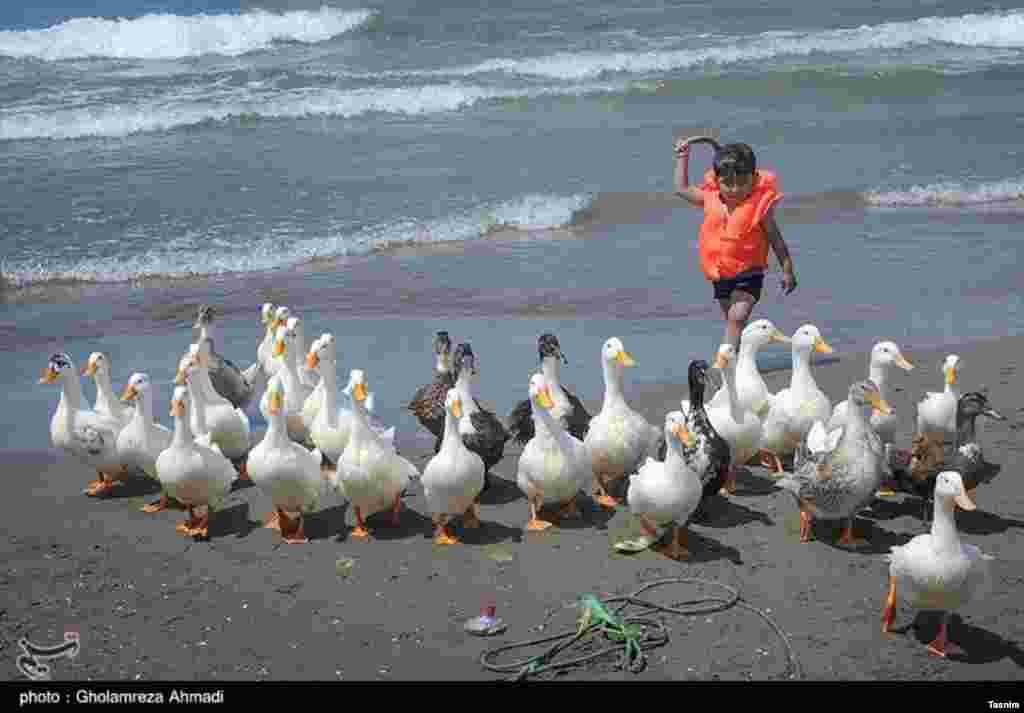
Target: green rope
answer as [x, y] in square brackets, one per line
[631, 636]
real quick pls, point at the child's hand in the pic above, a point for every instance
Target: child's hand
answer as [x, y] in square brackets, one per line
[788, 282]
[682, 148]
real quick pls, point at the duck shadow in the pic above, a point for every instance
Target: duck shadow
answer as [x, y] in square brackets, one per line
[702, 549]
[749, 483]
[411, 523]
[892, 509]
[719, 512]
[982, 522]
[325, 523]
[134, 486]
[980, 645]
[233, 520]
[489, 533]
[499, 491]
[879, 541]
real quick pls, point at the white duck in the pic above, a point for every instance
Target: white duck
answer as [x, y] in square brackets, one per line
[370, 472]
[82, 432]
[296, 392]
[284, 470]
[261, 370]
[740, 427]
[98, 367]
[884, 356]
[667, 492]
[453, 478]
[554, 466]
[332, 425]
[226, 426]
[794, 410]
[191, 473]
[308, 377]
[619, 438]
[937, 571]
[936, 412]
[750, 385]
[143, 439]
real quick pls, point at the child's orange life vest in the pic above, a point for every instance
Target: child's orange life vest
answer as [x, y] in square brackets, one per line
[737, 244]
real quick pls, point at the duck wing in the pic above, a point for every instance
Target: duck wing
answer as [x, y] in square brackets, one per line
[577, 421]
[520, 423]
[489, 440]
[427, 403]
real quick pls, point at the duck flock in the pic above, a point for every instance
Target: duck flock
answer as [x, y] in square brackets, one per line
[322, 440]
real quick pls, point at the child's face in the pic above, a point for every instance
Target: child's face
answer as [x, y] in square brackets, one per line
[735, 188]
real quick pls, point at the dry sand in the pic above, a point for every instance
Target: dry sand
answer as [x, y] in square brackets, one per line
[152, 605]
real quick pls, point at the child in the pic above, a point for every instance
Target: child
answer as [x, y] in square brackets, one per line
[739, 226]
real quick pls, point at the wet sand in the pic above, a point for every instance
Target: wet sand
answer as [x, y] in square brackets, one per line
[152, 605]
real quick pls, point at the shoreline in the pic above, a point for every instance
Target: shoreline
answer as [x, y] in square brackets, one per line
[150, 604]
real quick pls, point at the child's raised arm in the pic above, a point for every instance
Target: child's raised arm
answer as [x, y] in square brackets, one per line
[778, 244]
[692, 194]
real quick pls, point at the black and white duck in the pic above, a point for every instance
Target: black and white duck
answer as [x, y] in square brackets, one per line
[428, 401]
[707, 452]
[928, 458]
[568, 409]
[481, 431]
[227, 379]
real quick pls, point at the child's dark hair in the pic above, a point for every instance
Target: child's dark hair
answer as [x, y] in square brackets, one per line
[734, 159]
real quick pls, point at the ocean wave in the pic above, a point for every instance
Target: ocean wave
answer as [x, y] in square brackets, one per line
[991, 30]
[167, 36]
[194, 255]
[244, 106]
[949, 194]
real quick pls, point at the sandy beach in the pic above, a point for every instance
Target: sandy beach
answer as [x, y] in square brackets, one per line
[150, 604]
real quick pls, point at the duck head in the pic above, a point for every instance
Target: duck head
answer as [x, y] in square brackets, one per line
[808, 339]
[284, 336]
[761, 332]
[697, 374]
[321, 350]
[540, 393]
[950, 486]
[179, 402]
[453, 404]
[58, 364]
[614, 352]
[442, 344]
[974, 404]
[951, 369]
[267, 313]
[865, 393]
[137, 384]
[548, 346]
[357, 386]
[465, 360]
[888, 354]
[99, 363]
[186, 366]
[281, 316]
[676, 430]
[204, 316]
[275, 396]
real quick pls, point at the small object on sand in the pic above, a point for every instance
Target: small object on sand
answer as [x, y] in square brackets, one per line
[487, 624]
[638, 545]
[343, 567]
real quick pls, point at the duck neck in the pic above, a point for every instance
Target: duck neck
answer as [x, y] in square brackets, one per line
[965, 428]
[451, 437]
[729, 376]
[546, 423]
[464, 387]
[70, 393]
[360, 429]
[612, 383]
[328, 380]
[105, 400]
[182, 431]
[877, 373]
[277, 430]
[549, 367]
[944, 534]
[441, 364]
[801, 378]
[198, 408]
[142, 419]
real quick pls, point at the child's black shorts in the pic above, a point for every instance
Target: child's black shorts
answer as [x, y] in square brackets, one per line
[751, 282]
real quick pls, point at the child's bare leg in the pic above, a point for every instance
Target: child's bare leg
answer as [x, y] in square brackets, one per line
[736, 310]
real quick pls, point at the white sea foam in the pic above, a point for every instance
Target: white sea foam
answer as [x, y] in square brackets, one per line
[37, 121]
[167, 36]
[950, 194]
[991, 30]
[194, 254]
